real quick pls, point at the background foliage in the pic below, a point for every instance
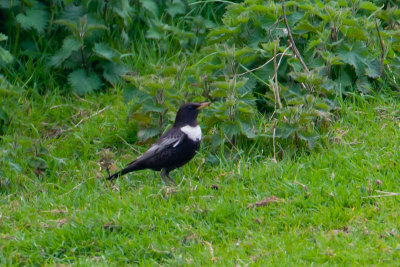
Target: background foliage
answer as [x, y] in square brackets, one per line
[236, 55]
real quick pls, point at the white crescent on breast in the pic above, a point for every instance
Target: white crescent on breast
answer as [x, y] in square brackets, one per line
[194, 133]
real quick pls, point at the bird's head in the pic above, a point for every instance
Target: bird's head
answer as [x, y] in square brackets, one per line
[187, 114]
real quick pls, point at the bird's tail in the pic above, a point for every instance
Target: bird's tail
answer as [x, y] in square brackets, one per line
[133, 166]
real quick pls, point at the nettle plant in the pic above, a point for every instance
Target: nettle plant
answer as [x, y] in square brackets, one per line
[88, 50]
[250, 64]
[344, 45]
[89, 42]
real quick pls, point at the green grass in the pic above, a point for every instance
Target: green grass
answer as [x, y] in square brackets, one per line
[68, 214]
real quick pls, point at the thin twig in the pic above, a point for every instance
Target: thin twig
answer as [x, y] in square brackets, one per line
[302, 185]
[276, 88]
[126, 143]
[282, 54]
[382, 47]
[384, 194]
[75, 187]
[84, 119]
[226, 137]
[211, 249]
[263, 65]
[273, 141]
[294, 48]
[82, 99]
[388, 193]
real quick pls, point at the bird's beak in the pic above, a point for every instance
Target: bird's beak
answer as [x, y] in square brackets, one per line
[203, 105]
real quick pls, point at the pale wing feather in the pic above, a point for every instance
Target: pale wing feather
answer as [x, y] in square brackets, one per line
[163, 143]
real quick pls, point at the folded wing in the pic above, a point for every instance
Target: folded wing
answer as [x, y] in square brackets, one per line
[169, 139]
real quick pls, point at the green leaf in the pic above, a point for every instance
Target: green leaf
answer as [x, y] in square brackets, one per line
[311, 138]
[72, 12]
[105, 51]
[5, 56]
[230, 129]
[368, 6]
[3, 116]
[113, 71]
[151, 6]
[221, 85]
[155, 33]
[70, 45]
[177, 7]
[151, 106]
[81, 83]
[6, 4]
[96, 26]
[72, 26]
[13, 165]
[3, 37]
[296, 101]
[354, 55]
[364, 85]
[373, 69]
[145, 134]
[129, 93]
[345, 80]
[218, 93]
[124, 10]
[139, 117]
[33, 19]
[247, 129]
[284, 131]
[319, 104]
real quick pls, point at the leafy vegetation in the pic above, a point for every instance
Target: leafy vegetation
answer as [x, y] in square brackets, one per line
[244, 63]
[86, 85]
[248, 65]
[88, 40]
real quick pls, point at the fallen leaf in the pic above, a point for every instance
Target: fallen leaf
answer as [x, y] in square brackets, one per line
[266, 201]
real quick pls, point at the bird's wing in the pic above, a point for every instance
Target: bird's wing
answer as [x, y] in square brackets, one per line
[169, 139]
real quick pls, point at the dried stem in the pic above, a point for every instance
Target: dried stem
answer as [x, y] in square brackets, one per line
[266, 63]
[294, 48]
[382, 47]
[276, 88]
[273, 141]
[84, 119]
[301, 185]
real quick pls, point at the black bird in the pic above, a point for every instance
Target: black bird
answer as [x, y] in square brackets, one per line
[174, 148]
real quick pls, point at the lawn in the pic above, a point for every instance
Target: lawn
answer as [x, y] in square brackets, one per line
[327, 206]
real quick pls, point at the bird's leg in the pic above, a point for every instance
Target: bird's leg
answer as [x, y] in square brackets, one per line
[169, 177]
[163, 172]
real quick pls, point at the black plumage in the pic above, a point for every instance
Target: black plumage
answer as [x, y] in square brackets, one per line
[174, 148]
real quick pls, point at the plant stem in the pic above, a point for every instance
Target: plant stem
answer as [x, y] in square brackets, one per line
[276, 87]
[294, 48]
[52, 8]
[21, 9]
[105, 10]
[84, 61]
[382, 47]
